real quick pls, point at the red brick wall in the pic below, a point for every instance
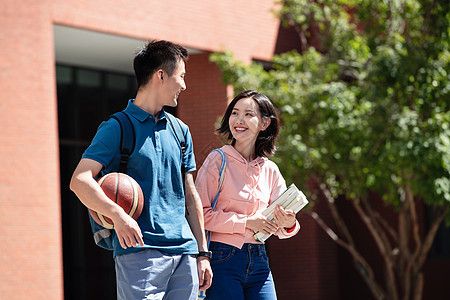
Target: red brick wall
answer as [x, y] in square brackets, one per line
[30, 221]
[248, 28]
[202, 104]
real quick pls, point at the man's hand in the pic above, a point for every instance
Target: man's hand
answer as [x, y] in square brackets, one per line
[204, 273]
[127, 230]
[92, 196]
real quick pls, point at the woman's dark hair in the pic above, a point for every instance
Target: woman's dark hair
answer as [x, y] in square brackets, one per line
[265, 142]
[157, 55]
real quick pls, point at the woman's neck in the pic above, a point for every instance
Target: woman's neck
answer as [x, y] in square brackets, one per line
[247, 151]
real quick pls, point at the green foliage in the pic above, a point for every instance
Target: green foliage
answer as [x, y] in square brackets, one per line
[367, 108]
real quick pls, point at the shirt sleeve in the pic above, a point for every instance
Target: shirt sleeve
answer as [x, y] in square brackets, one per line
[278, 184]
[278, 187]
[282, 233]
[104, 147]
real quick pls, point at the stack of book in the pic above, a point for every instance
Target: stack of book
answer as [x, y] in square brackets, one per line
[292, 199]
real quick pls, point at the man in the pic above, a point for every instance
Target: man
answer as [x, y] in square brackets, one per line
[155, 256]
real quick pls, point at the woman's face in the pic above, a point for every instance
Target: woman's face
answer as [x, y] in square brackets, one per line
[245, 121]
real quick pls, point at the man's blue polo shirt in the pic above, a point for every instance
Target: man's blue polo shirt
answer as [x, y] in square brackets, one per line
[156, 165]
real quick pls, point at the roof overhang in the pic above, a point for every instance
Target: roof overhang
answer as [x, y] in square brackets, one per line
[92, 49]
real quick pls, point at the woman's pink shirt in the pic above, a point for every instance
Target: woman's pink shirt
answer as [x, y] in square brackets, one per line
[247, 188]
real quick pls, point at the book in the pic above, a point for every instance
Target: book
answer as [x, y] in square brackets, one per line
[292, 198]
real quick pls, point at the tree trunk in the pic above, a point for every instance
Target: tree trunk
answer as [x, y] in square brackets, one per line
[418, 288]
[404, 252]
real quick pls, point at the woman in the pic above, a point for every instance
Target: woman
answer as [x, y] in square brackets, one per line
[251, 182]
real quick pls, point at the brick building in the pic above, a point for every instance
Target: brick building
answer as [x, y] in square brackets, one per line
[65, 65]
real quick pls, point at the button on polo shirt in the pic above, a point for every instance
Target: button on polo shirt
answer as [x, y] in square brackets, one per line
[155, 164]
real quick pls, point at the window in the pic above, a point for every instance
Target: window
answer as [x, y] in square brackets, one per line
[86, 97]
[441, 244]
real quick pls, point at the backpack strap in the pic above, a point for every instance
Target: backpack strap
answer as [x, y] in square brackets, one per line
[179, 135]
[219, 187]
[103, 237]
[127, 139]
[221, 177]
[178, 131]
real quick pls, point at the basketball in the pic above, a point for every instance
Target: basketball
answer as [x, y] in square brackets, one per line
[123, 190]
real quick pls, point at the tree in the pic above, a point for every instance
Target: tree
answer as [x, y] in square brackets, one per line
[365, 108]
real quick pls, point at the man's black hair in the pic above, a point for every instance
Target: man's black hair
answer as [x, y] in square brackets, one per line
[157, 55]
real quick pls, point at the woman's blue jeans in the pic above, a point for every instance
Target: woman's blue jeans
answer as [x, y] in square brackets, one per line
[240, 274]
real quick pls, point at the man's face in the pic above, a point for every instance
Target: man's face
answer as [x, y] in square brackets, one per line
[173, 85]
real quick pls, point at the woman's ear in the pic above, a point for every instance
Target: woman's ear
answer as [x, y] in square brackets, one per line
[266, 123]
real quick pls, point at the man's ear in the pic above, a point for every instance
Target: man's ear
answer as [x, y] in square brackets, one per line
[159, 75]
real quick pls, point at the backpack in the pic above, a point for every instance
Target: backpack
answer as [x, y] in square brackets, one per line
[103, 237]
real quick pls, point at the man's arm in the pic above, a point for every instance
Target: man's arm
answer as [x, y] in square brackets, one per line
[92, 196]
[195, 219]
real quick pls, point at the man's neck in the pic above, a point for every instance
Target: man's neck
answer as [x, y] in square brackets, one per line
[147, 101]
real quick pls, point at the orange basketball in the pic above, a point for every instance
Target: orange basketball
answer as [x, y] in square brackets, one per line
[125, 191]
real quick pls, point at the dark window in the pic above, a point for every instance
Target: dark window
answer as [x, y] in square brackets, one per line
[441, 244]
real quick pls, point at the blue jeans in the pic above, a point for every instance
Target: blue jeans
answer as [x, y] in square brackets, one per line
[240, 274]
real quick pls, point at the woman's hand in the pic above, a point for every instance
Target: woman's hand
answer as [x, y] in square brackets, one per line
[283, 218]
[257, 222]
